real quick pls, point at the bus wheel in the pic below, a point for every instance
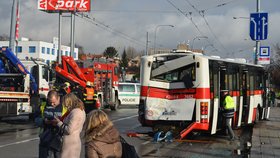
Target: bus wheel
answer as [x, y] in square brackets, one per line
[116, 105]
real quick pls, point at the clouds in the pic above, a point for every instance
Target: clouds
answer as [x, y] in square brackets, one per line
[123, 23]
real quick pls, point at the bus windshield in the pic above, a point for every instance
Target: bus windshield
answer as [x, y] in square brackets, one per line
[184, 74]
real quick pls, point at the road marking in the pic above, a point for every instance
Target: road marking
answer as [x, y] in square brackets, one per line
[146, 142]
[32, 139]
[19, 142]
[125, 118]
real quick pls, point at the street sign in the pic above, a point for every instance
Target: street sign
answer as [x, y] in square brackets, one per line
[264, 55]
[258, 26]
[264, 51]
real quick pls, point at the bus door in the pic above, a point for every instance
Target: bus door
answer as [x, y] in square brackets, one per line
[251, 97]
[223, 80]
[245, 94]
[234, 86]
[214, 97]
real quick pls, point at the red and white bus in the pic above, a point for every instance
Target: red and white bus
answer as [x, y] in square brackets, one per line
[183, 91]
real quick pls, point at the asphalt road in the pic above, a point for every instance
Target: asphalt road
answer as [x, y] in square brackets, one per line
[19, 138]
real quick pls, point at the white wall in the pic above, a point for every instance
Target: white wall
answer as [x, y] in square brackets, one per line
[38, 53]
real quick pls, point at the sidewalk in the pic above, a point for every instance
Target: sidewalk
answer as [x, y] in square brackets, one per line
[266, 136]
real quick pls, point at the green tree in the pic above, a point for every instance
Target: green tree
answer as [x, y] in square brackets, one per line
[124, 60]
[110, 52]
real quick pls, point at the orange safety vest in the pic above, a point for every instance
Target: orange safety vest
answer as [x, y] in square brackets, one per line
[89, 93]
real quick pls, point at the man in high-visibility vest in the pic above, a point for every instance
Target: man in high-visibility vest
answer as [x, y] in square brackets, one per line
[228, 113]
[89, 97]
[49, 110]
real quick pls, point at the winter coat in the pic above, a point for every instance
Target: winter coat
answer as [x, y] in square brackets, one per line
[104, 143]
[74, 122]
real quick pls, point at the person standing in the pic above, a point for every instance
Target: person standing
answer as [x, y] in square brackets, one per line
[228, 112]
[72, 126]
[102, 139]
[52, 109]
[272, 98]
[89, 97]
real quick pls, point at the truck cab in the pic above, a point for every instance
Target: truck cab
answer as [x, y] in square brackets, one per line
[42, 73]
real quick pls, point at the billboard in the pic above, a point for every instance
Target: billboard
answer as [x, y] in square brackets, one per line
[64, 5]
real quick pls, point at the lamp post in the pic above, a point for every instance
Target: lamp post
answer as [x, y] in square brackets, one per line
[156, 35]
[197, 37]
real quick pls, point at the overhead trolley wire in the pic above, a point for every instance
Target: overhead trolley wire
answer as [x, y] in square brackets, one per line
[196, 26]
[186, 15]
[201, 13]
[103, 26]
[136, 11]
[217, 6]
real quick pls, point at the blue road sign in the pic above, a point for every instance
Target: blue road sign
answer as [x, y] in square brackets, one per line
[265, 51]
[258, 26]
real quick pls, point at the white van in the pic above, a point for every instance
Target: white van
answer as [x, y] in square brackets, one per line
[129, 93]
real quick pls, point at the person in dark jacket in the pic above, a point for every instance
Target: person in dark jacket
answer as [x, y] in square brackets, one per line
[102, 139]
[53, 109]
[272, 98]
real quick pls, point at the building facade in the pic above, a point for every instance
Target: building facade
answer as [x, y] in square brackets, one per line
[40, 50]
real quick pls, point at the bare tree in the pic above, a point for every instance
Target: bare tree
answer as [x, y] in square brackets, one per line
[4, 37]
[274, 67]
[131, 52]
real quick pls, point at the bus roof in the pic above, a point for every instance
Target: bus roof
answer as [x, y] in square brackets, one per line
[216, 58]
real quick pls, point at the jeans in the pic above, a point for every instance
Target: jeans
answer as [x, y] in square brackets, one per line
[46, 152]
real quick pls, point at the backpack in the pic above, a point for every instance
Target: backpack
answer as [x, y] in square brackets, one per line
[128, 151]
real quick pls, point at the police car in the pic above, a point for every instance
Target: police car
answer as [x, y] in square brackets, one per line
[129, 93]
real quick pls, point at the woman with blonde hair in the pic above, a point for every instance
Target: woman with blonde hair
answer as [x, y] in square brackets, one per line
[72, 126]
[102, 139]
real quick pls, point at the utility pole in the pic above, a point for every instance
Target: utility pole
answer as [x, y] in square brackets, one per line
[13, 26]
[147, 43]
[258, 43]
[59, 38]
[73, 14]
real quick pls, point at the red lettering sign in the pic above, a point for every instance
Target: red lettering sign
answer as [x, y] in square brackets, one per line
[42, 4]
[64, 5]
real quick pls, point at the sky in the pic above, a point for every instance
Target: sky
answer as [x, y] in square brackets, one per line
[203, 24]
